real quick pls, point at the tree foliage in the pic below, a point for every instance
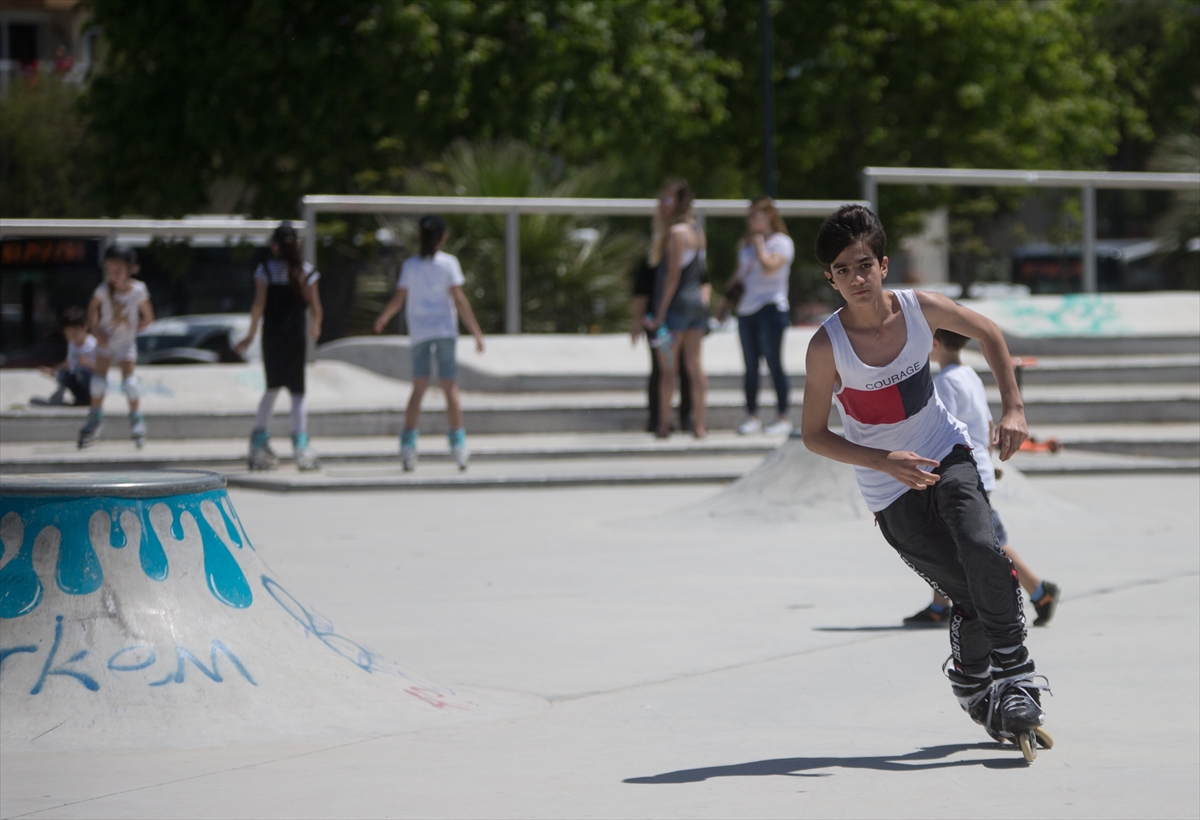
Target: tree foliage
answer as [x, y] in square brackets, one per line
[250, 105]
[285, 98]
[44, 151]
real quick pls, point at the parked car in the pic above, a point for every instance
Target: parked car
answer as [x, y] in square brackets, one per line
[199, 339]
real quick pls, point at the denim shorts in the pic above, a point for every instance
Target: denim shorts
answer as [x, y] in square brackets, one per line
[447, 362]
[679, 322]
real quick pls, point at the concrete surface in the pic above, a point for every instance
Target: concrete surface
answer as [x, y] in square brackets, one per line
[698, 658]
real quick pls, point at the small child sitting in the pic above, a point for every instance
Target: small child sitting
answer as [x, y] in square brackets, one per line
[74, 373]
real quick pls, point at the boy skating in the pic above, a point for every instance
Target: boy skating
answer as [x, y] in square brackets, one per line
[914, 466]
[961, 391]
[119, 310]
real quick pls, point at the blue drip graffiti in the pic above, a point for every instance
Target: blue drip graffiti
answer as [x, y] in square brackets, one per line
[78, 571]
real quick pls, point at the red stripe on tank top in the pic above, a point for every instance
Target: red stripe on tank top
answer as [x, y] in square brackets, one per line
[885, 406]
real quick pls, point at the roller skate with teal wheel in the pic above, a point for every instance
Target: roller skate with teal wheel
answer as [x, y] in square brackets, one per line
[137, 429]
[306, 457]
[408, 450]
[458, 447]
[262, 457]
[91, 428]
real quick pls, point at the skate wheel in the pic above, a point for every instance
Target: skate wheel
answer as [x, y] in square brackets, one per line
[1043, 738]
[1028, 746]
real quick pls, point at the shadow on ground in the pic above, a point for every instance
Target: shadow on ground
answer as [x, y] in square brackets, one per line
[801, 766]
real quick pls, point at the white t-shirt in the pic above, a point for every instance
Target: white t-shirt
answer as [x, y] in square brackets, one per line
[119, 310]
[275, 272]
[762, 289]
[76, 352]
[961, 390]
[429, 307]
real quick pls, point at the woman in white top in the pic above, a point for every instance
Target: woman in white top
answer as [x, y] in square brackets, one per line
[764, 262]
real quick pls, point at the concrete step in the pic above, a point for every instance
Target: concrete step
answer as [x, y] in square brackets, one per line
[604, 363]
[1176, 441]
[588, 412]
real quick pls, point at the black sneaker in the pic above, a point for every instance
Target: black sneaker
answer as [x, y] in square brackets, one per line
[928, 618]
[1046, 605]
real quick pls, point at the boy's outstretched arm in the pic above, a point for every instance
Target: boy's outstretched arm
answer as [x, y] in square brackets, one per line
[819, 380]
[941, 312]
[468, 315]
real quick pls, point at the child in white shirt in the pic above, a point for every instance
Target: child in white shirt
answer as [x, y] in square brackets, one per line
[74, 373]
[961, 391]
[119, 310]
[430, 289]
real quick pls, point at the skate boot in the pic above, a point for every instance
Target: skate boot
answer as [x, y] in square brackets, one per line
[929, 618]
[57, 399]
[1017, 701]
[408, 450]
[974, 693]
[1046, 605]
[91, 428]
[261, 455]
[306, 457]
[137, 429]
[458, 447]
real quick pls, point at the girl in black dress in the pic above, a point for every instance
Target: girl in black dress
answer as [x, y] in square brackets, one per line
[285, 298]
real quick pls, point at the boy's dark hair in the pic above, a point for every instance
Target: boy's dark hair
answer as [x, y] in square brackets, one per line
[433, 228]
[74, 316]
[847, 225]
[122, 252]
[950, 340]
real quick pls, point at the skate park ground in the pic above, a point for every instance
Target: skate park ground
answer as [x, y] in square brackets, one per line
[697, 653]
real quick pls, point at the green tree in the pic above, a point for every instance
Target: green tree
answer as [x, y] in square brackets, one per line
[268, 100]
[43, 150]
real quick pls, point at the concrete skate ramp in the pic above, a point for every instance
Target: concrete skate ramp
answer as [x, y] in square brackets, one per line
[795, 484]
[135, 612]
[792, 484]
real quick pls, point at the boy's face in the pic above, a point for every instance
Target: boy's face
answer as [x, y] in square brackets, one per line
[76, 334]
[857, 275]
[117, 272]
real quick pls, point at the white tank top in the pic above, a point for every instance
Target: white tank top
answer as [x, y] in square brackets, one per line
[893, 407]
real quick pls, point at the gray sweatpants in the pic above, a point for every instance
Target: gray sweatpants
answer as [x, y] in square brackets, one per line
[945, 534]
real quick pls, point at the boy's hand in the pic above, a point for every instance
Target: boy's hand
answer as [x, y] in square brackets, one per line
[241, 347]
[49, 371]
[380, 324]
[1010, 434]
[479, 343]
[314, 330]
[905, 467]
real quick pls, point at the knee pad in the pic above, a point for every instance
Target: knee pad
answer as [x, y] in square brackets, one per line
[130, 386]
[98, 384]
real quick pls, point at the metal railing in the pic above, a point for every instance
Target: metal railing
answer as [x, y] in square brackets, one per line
[514, 207]
[159, 228]
[1086, 181]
